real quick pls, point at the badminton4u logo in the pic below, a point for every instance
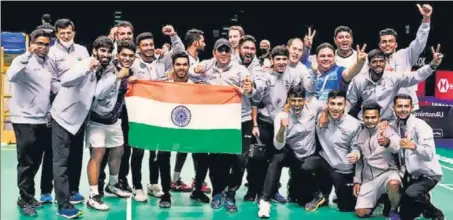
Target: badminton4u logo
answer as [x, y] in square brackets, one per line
[443, 85]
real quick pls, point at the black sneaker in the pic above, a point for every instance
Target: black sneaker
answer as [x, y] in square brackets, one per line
[26, 207]
[199, 196]
[249, 197]
[433, 213]
[318, 200]
[124, 185]
[165, 201]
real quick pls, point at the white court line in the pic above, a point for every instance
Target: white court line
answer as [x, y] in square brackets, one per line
[129, 201]
[446, 186]
[448, 168]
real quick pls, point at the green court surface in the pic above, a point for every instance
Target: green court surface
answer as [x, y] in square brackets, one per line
[185, 209]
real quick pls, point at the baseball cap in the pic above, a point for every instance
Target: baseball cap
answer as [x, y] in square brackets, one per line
[221, 42]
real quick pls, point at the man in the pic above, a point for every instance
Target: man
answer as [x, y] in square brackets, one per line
[296, 69]
[403, 60]
[264, 53]
[194, 42]
[46, 26]
[294, 141]
[124, 31]
[227, 72]
[146, 67]
[180, 71]
[62, 57]
[330, 76]
[376, 173]
[420, 166]
[104, 127]
[30, 82]
[165, 48]
[337, 154]
[272, 88]
[235, 33]
[379, 85]
[69, 113]
[247, 54]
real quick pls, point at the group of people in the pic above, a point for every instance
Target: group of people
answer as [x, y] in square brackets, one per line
[340, 118]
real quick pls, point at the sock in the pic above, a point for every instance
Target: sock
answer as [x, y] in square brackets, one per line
[113, 179]
[176, 176]
[94, 190]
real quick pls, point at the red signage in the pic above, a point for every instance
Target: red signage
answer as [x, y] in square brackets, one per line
[444, 85]
[421, 88]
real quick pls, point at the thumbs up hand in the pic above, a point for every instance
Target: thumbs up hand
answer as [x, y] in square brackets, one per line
[383, 140]
[406, 143]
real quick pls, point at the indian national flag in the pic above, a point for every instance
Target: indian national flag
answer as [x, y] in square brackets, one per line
[182, 117]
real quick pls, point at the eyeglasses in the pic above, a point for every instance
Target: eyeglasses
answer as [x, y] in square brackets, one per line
[41, 44]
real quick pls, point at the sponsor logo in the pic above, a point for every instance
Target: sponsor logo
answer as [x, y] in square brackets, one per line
[443, 85]
[422, 114]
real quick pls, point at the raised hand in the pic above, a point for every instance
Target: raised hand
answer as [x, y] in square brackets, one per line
[124, 72]
[247, 84]
[382, 138]
[168, 30]
[437, 56]
[426, 10]
[308, 39]
[406, 143]
[361, 54]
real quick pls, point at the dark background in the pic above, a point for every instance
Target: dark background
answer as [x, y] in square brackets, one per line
[275, 21]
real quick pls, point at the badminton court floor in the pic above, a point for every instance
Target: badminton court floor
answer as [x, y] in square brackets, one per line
[182, 207]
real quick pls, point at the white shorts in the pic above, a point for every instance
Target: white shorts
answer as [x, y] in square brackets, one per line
[101, 135]
[370, 192]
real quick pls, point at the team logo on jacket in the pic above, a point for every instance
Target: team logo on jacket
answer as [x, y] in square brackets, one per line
[180, 116]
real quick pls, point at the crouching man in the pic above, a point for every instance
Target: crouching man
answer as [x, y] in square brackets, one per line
[376, 172]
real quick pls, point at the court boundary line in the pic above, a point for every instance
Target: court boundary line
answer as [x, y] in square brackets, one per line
[129, 201]
[446, 186]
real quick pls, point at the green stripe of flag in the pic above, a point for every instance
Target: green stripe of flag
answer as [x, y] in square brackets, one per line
[150, 137]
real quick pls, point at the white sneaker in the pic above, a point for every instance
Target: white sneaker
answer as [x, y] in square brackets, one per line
[265, 209]
[116, 190]
[140, 196]
[155, 190]
[96, 202]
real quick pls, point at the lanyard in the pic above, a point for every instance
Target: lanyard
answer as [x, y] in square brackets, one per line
[323, 86]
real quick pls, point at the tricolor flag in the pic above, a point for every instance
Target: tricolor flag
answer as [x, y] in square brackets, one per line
[193, 118]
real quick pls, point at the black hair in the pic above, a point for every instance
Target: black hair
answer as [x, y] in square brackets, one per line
[191, 36]
[280, 50]
[336, 93]
[402, 96]
[375, 53]
[143, 36]
[39, 33]
[103, 41]
[46, 18]
[246, 38]
[324, 45]
[342, 29]
[181, 54]
[371, 106]
[297, 91]
[64, 23]
[388, 31]
[126, 44]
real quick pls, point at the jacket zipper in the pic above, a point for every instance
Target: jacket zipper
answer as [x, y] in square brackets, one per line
[369, 147]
